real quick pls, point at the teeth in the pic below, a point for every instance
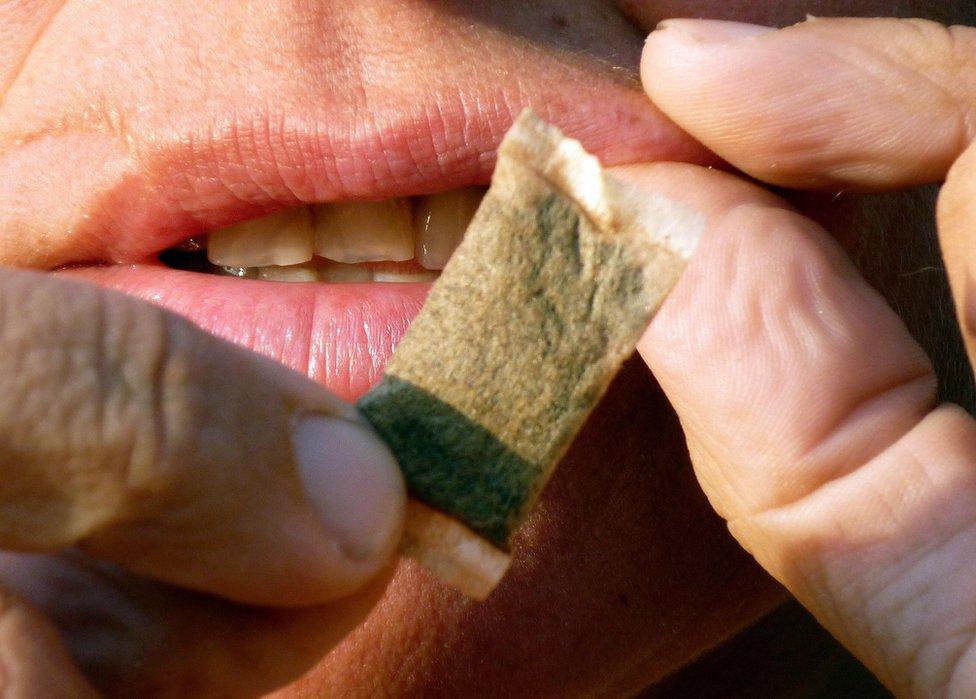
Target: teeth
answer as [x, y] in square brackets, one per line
[327, 242]
[371, 231]
[290, 273]
[403, 278]
[338, 273]
[282, 238]
[440, 222]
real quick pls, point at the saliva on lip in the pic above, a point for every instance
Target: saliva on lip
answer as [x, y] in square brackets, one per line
[392, 240]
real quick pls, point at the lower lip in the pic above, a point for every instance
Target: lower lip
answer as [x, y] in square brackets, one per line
[340, 335]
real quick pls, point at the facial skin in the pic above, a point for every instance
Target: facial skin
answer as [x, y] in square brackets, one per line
[623, 574]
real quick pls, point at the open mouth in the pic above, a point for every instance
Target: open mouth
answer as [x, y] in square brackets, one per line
[326, 289]
[322, 268]
[344, 193]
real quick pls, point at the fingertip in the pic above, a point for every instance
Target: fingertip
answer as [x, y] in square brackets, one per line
[716, 80]
[674, 49]
[709, 31]
[355, 486]
[780, 106]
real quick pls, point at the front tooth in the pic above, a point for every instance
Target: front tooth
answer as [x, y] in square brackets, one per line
[338, 273]
[440, 221]
[403, 278]
[289, 273]
[369, 231]
[281, 238]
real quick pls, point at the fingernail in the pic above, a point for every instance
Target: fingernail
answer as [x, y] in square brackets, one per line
[712, 31]
[353, 481]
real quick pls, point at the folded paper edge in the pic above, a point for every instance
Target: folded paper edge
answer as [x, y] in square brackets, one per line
[452, 551]
[614, 206]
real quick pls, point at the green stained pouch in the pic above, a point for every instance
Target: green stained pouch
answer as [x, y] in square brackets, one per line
[558, 275]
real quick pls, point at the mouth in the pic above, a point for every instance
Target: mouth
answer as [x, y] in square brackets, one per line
[328, 289]
[200, 192]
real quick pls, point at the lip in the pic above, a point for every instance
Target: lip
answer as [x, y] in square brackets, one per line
[339, 335]
[267, 163]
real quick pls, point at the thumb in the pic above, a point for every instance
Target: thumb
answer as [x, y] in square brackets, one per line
[133, 435]
[828, 103]
[811, 421]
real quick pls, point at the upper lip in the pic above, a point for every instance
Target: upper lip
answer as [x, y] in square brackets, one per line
[251, 164]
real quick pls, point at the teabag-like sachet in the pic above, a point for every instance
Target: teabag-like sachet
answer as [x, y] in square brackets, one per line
[558, 275]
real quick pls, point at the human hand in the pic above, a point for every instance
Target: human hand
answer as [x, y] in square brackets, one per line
[811, 414]
[169, 119]
[199, 518]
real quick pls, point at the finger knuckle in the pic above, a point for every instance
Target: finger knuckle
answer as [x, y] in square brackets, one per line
[131, 363]
[82, 371]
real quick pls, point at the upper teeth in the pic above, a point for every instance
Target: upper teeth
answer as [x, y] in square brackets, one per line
[389, 230]
[370, 231]
[281, 238]
[440, 221]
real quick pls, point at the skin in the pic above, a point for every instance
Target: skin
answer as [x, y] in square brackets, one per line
[622, 575]
[860, 501]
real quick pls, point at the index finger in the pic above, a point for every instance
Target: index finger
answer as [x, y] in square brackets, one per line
[861, 104]
[835, 103]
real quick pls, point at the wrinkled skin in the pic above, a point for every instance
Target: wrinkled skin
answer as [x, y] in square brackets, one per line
[623, 574]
